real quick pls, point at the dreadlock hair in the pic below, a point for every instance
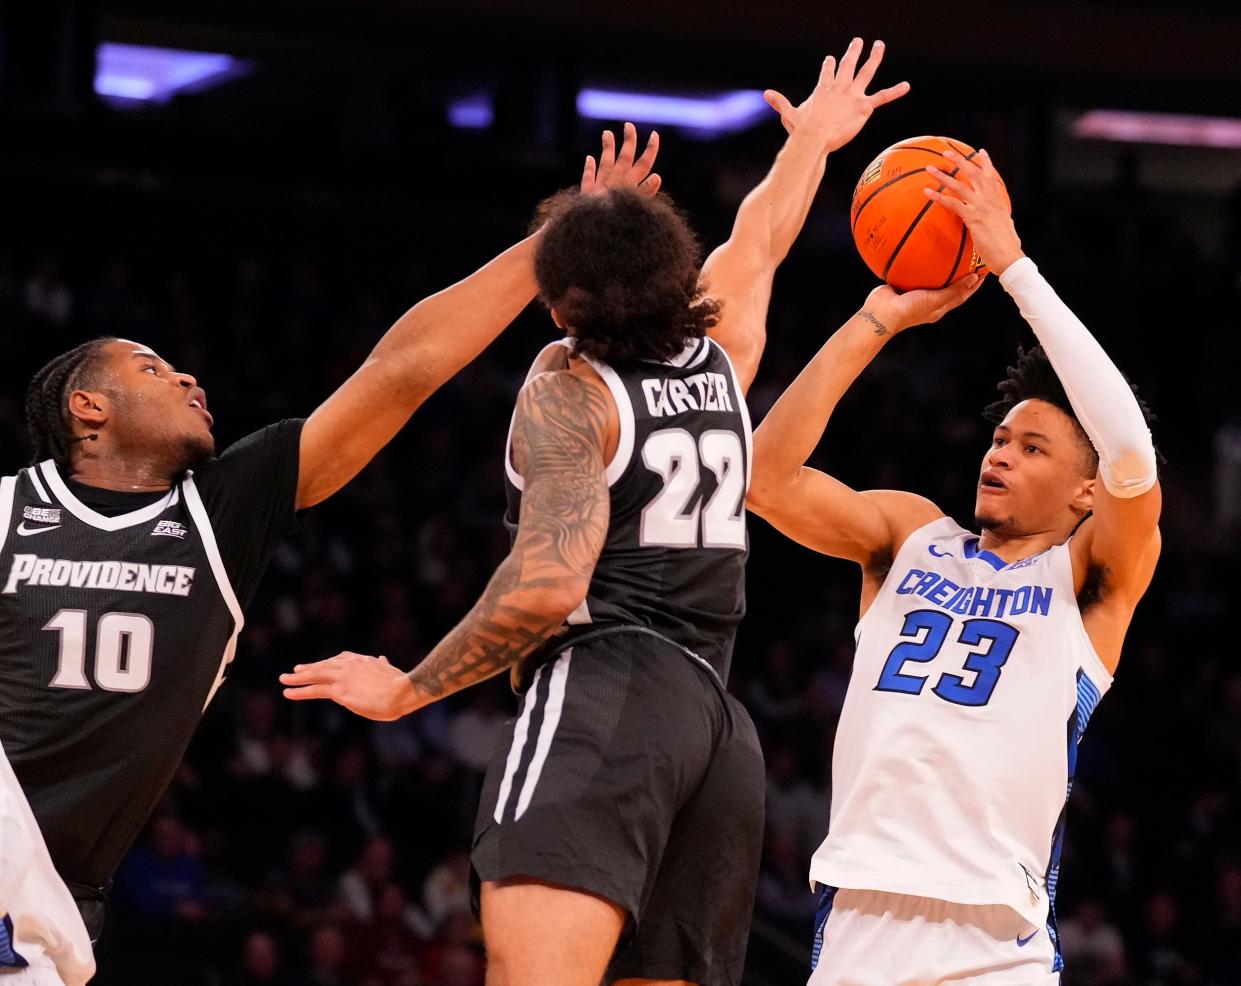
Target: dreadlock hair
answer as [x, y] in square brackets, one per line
[622, 270]
[49, 425]
[1034, 378]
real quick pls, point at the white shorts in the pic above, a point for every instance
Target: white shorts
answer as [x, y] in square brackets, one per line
[869, 938]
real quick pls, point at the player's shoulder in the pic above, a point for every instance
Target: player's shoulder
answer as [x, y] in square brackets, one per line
[273, 448]
[903, 512]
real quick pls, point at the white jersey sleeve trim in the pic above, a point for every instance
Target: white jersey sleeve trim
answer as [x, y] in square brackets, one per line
[8, 487]
[33, 473]
[202, 521]
[742, 407]
[628, 426]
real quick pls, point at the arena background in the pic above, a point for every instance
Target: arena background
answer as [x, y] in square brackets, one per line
[264, 226]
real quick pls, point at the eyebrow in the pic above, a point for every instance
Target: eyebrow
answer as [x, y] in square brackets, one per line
[1026, 434]
[152, 356]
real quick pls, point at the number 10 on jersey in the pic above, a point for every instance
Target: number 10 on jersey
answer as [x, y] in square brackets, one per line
[677, 516]
[124, 643]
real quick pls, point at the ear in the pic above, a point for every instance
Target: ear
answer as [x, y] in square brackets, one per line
[557, 319]
[1083, 497]
[90, 408]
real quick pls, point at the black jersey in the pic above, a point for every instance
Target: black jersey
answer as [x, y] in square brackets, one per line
[674, 556]
[116, 630]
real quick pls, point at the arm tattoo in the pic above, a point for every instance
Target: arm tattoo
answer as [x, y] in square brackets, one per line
[880, 328]
[559, 434]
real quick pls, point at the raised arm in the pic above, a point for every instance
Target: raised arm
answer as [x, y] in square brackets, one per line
[432, 341]
[559, 436]
[739, 273]
[1120, 540]
[809, 506]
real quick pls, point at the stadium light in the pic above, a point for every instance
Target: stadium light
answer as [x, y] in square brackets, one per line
[1159, 128]
[154, 75]
[472, 112]
[713, 115]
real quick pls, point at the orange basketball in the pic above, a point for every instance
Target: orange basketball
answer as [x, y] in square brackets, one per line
[905, 238]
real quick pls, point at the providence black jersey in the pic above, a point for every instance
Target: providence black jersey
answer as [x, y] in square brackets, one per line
[115, 633]
[674, 556]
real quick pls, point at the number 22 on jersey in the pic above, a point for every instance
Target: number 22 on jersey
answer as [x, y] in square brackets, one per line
[677, 516]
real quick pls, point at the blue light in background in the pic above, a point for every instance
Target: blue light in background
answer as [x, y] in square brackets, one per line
[154, 75]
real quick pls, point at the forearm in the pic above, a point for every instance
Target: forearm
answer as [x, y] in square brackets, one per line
[511, 620]
[438, 336]
[792, 429]
[1102, 400]
[772, 215]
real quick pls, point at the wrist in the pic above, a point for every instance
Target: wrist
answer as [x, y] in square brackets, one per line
[1005, 260]
[406, 697]
[877, 323]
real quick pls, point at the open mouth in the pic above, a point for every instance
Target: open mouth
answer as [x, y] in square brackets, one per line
[992, 483]
[200, 404]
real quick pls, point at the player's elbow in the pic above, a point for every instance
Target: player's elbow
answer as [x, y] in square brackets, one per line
[1130, 471]
[554, 602]
[769, 485]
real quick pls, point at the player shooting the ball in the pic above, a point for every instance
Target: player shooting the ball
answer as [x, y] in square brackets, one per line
[978, 655]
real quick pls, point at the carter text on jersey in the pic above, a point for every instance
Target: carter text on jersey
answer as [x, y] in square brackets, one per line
[126, 576]
[697, 392]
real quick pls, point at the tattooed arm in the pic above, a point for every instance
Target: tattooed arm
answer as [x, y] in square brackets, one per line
[810, 506]
[559, 436]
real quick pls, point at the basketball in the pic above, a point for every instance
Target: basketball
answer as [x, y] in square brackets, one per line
[905, 238]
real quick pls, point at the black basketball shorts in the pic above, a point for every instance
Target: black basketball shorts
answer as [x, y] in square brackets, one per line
[631, 774]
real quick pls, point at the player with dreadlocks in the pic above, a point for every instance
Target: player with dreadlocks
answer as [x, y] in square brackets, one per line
[129, 550]
[980, 657]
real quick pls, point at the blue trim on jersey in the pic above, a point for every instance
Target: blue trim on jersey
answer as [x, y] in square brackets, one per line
[8, 957]
[990, 557]
[826, 897]
[1088, 696]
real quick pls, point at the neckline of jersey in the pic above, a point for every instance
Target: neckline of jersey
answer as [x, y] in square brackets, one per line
[60, 491]
[990, 557]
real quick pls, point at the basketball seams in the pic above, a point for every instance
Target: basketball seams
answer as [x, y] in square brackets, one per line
[952, 272]
[887, 184]
[917, 219]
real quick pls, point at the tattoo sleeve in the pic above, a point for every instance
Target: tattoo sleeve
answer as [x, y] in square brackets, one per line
[559, 433]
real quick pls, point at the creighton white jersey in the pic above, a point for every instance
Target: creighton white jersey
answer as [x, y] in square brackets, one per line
[972, 683]
[41, 930]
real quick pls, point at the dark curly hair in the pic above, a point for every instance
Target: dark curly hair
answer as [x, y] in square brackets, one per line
[622, 272]
[48, 423]
[1034, 378]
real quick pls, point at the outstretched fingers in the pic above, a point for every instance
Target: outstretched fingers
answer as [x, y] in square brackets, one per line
[827, 73]
[607, 157]
[643, 167]
[885, 96]
[848, 61]
[867, 72]
[629, 147]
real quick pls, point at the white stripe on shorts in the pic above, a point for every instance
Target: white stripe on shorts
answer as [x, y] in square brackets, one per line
[519, 743]
[551, 719]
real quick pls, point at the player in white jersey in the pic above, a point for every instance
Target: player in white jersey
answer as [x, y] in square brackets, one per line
[43, 941]
[980, 657]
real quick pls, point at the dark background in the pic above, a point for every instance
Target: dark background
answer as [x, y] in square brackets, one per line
[263, 234]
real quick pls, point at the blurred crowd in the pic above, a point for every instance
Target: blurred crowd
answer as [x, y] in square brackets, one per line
[301, 846]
